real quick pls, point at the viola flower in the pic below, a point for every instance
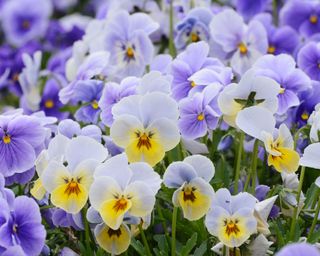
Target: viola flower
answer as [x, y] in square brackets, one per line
[282, 39]
[293, 81]
[193, 59]
[22, 23]
[119, 188]
[243, 44]
[193, 28]
[299, 249]
[231, 217]
[259, 123]
[88, 93]
[303, 16]
[21, 139]
[69, 185]
[248, 8]
[191, 179]
[112, 93]
[252, 89]
[309, 59]
[146, 126]
[199, 113]
[127, 39]
[21, 227]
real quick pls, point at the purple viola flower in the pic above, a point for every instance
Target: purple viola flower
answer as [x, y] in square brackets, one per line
[249, 8]
[129, 44]
[21, 138]
[61, 218]
[293, 81]
[194, 58]
[280, 40]
[20, 178]
[199, 113]
[22, 23]
[88, 93]
[299, 249]
[193, 28]
[113, 93]
[309, 60]
[20, 225]
[303, 16]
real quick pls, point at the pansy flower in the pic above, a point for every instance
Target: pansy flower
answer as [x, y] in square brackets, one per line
[146, 126]
[309, 59]
[191, 178]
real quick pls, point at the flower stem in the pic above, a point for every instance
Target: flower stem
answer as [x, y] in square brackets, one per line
[144, 239]
[295, 211]
[238, 162]
[315, 220]
[173, 232]
[172, 49]
[86, 228]
[254, 166]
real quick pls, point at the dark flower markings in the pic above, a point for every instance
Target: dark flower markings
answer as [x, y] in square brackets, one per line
[144, 140]
[231, 227]
[112, 232]
[188, 194]
[73, 186]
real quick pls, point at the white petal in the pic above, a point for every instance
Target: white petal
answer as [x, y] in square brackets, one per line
[202, 165]
[128, 106]
[254, 120]
[54, 175]
[311, 156]
[57, 147]
[194, 146]
[264, 207]
[154, 82]
[285, 136]
[178, 173]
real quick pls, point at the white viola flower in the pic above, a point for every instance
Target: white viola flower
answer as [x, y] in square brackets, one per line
[146, 126]
[251, 90]
[259, 123]
[314, 121]
[191, 179]
[56, 151]
[121, 188]
[29, 80]
[231, 218]
[69, 185]
[154, 81]
[259, 246]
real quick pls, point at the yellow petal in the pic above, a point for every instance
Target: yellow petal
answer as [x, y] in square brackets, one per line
[38, 191]
[194, 204]
[71, 202]
[288, 161]
[113, 210]
[114, 241]
[233, 234]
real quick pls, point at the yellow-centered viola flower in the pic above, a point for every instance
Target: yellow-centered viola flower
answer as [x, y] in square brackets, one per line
[191, 178]
[259, 123]
[120, 189]
[69, 185]
[146, 126]
[231, 218]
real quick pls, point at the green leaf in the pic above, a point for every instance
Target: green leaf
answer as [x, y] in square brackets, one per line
[314, 237]
[202, 249]
[162, 243]
[137, 245]
[191, 243]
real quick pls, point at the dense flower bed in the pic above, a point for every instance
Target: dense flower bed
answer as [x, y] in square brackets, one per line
[173, 127]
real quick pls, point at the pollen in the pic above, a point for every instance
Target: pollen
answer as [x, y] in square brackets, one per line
[313, 19]
[243, 48]
[72, 187]
[305, 116]
[231, 227]
[6, 139]
[282, 90]
[121, 204]
[193, 84]
[200, 117]
[95, 104]
[130, 53]
[271, 49]
[194, 37]
[49, 104]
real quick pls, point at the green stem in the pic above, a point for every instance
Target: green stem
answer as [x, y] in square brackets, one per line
[173, 232]
[315, 220]
[238, 162]
[172, 49]
[295, 211]
[86, 227]
[275, 12]
[144, 239]
[254, 166]
[315, 199]
[164, 225]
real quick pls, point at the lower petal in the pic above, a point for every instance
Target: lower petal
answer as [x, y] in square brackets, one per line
[288, 161]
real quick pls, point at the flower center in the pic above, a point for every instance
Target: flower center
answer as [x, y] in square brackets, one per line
[193, 84]
[188, 193]
[120, 204]
[305, 116]
[130, 53]
[200, 117]
[72, 187]
[49, 103]
[6, 139]
[112, 232]
[231, 227]
[243, 48]
[95, 104]
[15, 77]
[26, 24]
[15, 228]
[194, 37]
[271, 49]
[144, 140]
[313, 19]
[282, 90]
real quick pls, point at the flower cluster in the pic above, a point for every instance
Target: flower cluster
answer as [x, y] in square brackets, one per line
[160, 127]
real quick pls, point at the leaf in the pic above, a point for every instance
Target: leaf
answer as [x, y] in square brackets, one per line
[202, 249]
[191, 243]
[137, 245]
[314, 237]
[162, 243]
